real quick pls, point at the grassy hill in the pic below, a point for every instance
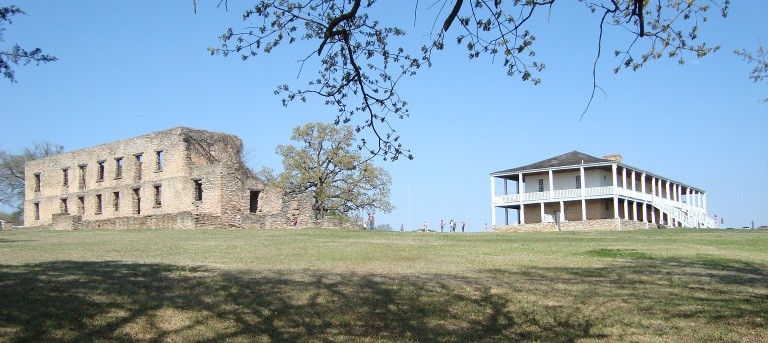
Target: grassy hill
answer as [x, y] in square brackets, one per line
[339, 285]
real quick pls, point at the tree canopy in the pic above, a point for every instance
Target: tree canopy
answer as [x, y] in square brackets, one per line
[16, 54]
[360, 69]
[328, 165]
[12, 173]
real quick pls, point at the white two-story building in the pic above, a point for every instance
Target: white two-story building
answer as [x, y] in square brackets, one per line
[577, 191]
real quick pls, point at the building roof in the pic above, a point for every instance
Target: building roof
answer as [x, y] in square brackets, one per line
[568, 159]
[576, 158]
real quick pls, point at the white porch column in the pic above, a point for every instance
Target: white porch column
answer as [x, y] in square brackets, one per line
[653, 185]
[506, 186]
[561, 215]
[678, 193]
[542, 211]
[645, 212]
[660, 189]
[634, 210]
[626, 209]
[520, 191]
[624, 178]
[673, 188]
[615, 192]
[653, 216]
[642, 182]
[666, 196]
[634, 188]
[506, 216]
[583, 191]
[551, 185]
[704, 201]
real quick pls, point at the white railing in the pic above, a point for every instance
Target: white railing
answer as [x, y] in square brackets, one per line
[687, 215]
[554, 195]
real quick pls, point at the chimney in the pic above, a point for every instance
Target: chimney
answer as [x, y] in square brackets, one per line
[613, 157]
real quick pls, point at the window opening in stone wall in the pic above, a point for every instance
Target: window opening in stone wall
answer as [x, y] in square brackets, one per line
[81, 205]
[116, 201]
[137, 167]
[254, 202]
[82, 176]
[198, 190]
[159, 162]
[37, 211]
[136, 201]
[118, 167]
[37, 182]
[100, 174]
[98, 204]
[158, 203]
[578, 181]
[65, 177]
[541, 185]
[63, 208]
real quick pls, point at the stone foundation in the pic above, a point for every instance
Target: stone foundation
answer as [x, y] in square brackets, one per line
[187, 220]
[586, 225]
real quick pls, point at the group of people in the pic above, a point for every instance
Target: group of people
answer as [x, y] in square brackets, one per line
[451, 226]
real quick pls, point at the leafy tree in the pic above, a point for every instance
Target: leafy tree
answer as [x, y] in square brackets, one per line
[328, 165]
[360, 69]
[760, 59]
[12, 173]
[16, 54]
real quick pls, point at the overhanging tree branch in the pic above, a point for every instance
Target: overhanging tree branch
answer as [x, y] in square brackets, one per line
[360, 69]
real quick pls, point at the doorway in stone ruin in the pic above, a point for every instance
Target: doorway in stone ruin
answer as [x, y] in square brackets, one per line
[254, 201]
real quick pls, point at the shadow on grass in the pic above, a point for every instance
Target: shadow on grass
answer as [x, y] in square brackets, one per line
[114, 301]
[703, 298]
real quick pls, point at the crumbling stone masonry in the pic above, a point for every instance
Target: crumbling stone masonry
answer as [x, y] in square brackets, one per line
[178, 178]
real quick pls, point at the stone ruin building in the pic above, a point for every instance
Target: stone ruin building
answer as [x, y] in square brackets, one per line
[177, 178]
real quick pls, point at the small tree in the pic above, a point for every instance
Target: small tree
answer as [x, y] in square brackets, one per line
[16, 54]
[12, 173]
[329, 165]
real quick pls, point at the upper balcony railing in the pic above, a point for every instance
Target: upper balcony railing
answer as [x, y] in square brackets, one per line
[561, 194]
[590, 192]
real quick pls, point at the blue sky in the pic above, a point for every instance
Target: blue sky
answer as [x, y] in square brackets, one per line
[129, 68]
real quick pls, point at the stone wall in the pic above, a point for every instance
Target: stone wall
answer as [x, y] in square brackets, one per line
[177, 178]
[587, 225]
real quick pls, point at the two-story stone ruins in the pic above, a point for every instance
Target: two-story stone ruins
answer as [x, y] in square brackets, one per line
[178, 178]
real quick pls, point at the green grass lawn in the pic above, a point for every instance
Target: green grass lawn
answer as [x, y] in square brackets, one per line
[338, 285]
